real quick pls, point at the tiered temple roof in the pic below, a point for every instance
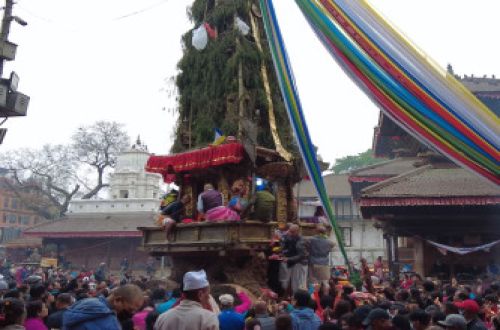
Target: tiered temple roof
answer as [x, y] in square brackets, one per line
[94, 225]
[431, 185]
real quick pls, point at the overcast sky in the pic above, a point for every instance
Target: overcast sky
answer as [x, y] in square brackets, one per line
[83, 61]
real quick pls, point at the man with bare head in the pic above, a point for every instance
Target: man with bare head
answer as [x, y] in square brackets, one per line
[105, 313]
[320, 248]
[261, 314]
[293, 268]
[209, 199]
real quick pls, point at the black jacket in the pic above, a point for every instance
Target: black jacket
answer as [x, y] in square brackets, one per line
[476, 324]
[54, 320]
[295, 250]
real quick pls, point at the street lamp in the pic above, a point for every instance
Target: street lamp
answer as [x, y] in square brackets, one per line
[12, 102]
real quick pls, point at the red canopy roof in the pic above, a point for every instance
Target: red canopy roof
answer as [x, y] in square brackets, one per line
[231, 153]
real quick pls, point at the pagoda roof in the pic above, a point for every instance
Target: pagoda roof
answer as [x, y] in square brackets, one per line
[390, 140]
[481, 84]
[384, 170]
[94, 225]
[337, 185]
[430, 185]
[23, 243]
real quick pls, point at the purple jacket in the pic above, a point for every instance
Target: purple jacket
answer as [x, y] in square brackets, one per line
[211, 198]
[34, 324]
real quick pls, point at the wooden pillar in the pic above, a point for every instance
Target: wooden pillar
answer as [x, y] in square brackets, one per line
[58, 250]
[281, 202]
[131, 257]
[223, 187]
[418, 249]
[87, 255]
[292, 203]
[108, 257]
[191, 206]
[395, 249]
[388, 245]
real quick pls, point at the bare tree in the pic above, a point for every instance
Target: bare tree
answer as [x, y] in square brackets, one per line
[45, 179]
[98, 146]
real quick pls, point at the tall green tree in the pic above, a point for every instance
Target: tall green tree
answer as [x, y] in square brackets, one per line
[350, 163]
[215, 83]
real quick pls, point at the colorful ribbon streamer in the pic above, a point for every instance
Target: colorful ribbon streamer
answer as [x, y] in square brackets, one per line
[294, 110]
[426, 102]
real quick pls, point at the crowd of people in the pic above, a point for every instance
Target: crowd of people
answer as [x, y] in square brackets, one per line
[303, 291]
[56, 299]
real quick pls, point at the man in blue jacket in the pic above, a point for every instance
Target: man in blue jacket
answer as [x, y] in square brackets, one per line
[229, 319]
[303, 317]
[101, 313]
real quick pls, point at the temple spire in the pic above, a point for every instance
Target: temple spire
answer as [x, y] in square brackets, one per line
[139, 145]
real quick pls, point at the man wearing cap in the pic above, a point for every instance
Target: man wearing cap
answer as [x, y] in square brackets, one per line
[190, 314]
[470, 309]
[454, 322]
[267, 322]
[229, 319]
[377, 319]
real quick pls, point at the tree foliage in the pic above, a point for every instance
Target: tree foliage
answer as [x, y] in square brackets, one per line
[350, 163]
[47, 179]
[208, 79]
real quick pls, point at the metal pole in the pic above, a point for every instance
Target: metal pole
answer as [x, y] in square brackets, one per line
[7, 19]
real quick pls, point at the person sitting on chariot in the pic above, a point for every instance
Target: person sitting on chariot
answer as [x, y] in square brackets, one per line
[264, 204]
[210, 203]
[168, 198]
[237, 202]
[173, 213]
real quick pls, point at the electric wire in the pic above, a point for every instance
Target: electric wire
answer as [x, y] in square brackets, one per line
[111, 20]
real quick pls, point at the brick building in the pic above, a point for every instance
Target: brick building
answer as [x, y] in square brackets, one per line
[14, 215]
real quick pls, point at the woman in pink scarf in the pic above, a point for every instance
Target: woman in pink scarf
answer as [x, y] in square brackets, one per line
[139, 318]
[36, 312]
